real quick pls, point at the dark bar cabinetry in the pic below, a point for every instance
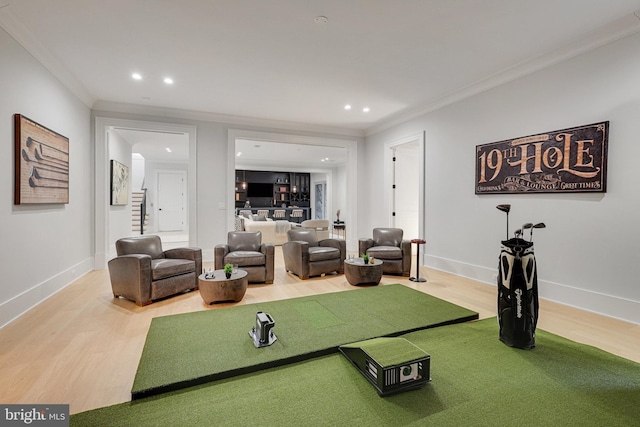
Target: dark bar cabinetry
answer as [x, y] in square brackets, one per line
[267, 189]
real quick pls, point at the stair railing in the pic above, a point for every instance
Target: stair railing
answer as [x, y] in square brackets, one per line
[143, 210]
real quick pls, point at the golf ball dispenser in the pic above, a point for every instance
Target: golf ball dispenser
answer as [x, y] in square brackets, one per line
[391, 365]
[262, 333]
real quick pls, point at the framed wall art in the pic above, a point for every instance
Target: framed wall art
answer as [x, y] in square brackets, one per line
[572, 160]
[119, 184]
[41, 163]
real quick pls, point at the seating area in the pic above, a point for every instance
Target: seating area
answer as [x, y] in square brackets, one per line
[142, 272]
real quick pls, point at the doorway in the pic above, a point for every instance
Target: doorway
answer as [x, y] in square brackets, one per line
[342, 196]
[405, 160]
[104, 242]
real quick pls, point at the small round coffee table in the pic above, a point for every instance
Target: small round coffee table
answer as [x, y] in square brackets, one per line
[358, 273]
[219, 288]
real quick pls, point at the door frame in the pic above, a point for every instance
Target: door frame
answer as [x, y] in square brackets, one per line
[351, 147]
[388, 181]
[102, 188]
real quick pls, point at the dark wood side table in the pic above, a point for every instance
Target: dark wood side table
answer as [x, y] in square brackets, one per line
[219, 288]
[418, 242]
[358, 273]
[340, 228]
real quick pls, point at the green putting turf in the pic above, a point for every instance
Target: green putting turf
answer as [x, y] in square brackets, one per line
[476, 381]
[188, 349]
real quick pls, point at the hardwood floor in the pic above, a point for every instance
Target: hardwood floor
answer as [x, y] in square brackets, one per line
[82, 346]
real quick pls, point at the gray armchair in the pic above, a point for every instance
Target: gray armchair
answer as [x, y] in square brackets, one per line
[387, 245]
[306, 256]
[142, 272]
[245, 248]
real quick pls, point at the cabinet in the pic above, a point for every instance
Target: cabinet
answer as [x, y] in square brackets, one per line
[281, 193]
[272, 189]
[301, 191]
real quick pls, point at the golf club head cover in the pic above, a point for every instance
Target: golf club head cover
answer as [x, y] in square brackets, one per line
[517, 294]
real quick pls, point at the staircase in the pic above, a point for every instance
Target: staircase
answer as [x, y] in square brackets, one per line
[137, 198]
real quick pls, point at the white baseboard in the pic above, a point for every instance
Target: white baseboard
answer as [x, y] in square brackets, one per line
[20, 304]
[595, 302]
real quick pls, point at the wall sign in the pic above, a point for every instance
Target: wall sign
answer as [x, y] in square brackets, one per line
[570, 160]
[41, 163]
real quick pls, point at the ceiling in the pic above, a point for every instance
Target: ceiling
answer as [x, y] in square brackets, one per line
[157, 146]
[272, 60]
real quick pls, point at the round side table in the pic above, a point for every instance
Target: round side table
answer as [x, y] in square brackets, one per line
[219, 288]
[417, 278]
[358, 273]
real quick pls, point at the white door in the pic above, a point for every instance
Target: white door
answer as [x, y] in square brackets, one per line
[171, 201]
[406, 189]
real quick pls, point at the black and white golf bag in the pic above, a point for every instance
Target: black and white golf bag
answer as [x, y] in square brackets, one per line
[517, 294]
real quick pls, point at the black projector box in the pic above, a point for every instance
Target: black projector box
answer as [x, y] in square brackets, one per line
[391, 365]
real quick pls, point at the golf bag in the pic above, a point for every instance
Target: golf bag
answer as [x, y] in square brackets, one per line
[517, 294]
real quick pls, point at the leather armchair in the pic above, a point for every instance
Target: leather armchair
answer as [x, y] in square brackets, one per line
[245, 248]
[306, 256]
[142, 272]
[388, 246]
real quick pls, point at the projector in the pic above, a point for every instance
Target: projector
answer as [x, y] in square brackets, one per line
[262, 333]
[391, 365]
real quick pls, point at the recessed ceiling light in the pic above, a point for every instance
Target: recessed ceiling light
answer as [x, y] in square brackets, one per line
[168, 149]
[168, 80]
[347, 107]
[321, 20]
[365, 110]
[136, 76]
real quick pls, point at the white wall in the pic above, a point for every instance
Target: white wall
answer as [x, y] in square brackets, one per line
[44, 247]
[120, 219]
[137, 172]
[588, 256]
[337, 188]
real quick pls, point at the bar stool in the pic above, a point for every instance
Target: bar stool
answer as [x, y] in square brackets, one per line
[245, 212]
[279, 214]
[418, 242]
[297, 214]
[263, 212]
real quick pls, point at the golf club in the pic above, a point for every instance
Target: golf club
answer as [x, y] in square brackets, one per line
[45, 183]
[505, 208]
[517, 233]
[538, 225]
[49, 159]
[28, 159]
[52, 176]
[526, 226]
[42, 144]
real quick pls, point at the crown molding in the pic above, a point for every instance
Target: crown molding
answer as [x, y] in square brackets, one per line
[614, 31]
[118, 107]
[16, 29]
